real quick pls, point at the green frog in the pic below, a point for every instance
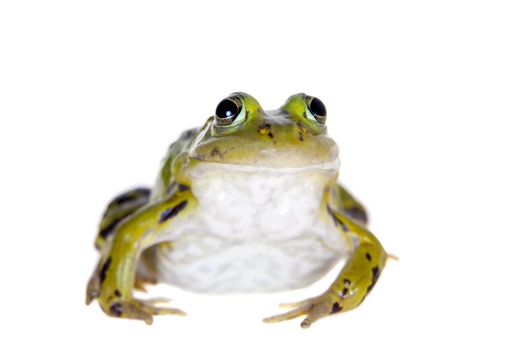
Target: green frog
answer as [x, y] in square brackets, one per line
[247, 203]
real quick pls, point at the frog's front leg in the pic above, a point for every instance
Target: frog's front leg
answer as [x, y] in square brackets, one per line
[113, 281]
[366, 259]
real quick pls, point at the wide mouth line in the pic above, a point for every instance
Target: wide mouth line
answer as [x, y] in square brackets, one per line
[332, 165]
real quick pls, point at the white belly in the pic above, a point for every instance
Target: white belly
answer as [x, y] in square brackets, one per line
[253, 231]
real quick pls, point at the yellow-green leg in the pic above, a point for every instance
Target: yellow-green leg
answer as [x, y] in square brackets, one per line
[349, 205]
[113, 280]
[364, 264]
[119, 209]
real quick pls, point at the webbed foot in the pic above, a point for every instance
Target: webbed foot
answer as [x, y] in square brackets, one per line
[140, 309]
[313, 308]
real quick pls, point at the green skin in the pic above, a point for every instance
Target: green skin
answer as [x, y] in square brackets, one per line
[135, 220]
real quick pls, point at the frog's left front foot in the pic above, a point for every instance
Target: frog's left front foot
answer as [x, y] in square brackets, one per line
[356, 279]
[314, 309]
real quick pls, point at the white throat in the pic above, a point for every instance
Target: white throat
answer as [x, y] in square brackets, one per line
[255, 203]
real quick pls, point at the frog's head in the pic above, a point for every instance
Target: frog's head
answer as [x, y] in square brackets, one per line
[242, 133]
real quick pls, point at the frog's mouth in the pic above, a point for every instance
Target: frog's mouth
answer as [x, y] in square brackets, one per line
[206, 168]
[284, 150]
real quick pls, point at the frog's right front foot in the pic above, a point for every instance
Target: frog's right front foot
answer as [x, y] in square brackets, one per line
[138, 309]
[116, 305]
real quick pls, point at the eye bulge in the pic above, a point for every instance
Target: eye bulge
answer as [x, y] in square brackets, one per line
[316, 109]
[230, 108]
[229, 111]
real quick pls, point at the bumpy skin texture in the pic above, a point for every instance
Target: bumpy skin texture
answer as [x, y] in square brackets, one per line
[140, 218]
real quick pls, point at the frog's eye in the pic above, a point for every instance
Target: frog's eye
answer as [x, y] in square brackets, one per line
[316, 109]
[230, 111]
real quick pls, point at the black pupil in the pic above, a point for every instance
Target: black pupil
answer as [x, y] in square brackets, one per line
[226, 109]
[317, 107]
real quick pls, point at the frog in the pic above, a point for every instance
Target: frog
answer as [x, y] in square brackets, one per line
[248, 203]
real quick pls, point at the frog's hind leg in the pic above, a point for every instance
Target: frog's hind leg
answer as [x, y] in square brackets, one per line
[117, 210]
[350, 206]
[120, 208]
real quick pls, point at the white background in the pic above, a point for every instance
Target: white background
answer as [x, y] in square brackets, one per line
[425, 98]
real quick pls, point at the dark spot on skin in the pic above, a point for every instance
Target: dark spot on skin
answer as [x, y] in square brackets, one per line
[265, 126]
[337, 221]
[106, 231]
[304, 115]
[336, 308]
[301, 136]
[178, 186]
[344, 292]
[123, 199]
[356, 214]
[215, 152]
[130, 196]
[368, 257]
[183, 188]
[375, 277]
[143, 192]
[118, 294]
[302, 128]
[104, 270]
[116, 309]
[172, 212]
[186, 135]
[347, 282]
[265, 129]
